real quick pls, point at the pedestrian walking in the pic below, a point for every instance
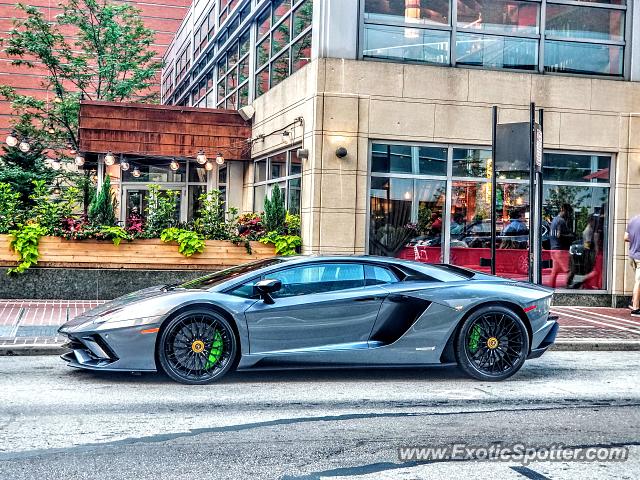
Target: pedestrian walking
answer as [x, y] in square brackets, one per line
[632, 236]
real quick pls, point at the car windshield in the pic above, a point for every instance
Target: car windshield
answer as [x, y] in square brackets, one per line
[222, 276]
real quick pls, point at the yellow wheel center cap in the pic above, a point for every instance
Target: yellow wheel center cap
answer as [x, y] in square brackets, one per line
[492, 343]
[197, 346]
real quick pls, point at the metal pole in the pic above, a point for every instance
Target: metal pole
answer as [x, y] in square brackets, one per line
[494, 185]
[532, 199]
[540, 193]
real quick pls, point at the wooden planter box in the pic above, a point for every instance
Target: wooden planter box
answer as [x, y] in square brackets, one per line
[150, 254]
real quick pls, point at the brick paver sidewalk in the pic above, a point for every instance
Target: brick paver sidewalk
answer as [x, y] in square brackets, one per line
[32, 322]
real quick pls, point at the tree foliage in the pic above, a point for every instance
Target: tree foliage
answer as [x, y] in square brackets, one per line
[109, 57]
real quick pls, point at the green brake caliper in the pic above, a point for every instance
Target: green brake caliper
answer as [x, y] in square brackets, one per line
[474, 338]
[216, 351]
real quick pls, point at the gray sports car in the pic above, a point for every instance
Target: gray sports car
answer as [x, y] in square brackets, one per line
[305, 312]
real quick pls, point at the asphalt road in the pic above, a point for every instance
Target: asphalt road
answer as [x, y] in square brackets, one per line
[58, 423]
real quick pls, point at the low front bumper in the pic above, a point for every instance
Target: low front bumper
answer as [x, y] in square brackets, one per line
[124, 349]
[548, 340]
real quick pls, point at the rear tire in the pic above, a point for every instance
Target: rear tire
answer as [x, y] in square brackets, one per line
[197, 347]
[492, 344]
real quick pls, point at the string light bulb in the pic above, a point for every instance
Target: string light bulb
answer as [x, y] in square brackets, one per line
[55, 164]
[174, 165]
[208, 166]
[220, 159]
[24, 146]
[12, 140]
[124, 165]
[201, 158]
[109, 159]
[136, 172]
[79, 160]
[286, 137]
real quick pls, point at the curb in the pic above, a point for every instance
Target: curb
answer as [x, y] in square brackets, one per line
[31, 350]
[589, 345]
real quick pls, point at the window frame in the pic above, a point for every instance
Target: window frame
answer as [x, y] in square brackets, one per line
[540, 38]
[269, 182]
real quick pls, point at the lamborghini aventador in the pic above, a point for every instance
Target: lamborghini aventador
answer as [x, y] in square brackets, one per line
[310, 312]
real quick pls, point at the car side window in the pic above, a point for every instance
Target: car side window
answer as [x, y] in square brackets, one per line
[377, 275]
[318, 278]
[245, 290]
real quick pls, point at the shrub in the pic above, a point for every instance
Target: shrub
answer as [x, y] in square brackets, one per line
[161, 211]
[25, 244]
[9, 206]
[49, 212]
[211, 222]
[275, 213]
[102, 210]
[285, 245]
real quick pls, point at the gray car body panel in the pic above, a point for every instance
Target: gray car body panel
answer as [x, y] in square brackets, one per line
[354, 327]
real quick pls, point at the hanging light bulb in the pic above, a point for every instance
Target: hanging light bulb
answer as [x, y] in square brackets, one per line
[109, 159]
[174, 165]
[24, 146]
[12, 140]
[55, 164]
[286, 137]
[201, 158]
[50, 129]
[220, 159]
[208, 166]
[124, 165]
[57, 189]
[71, 148]
[79, 161]
[136, 172]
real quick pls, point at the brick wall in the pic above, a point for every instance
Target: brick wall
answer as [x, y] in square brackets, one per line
[162, 16]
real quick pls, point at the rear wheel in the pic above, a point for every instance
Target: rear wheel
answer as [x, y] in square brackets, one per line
[492, 344]
[197, 347]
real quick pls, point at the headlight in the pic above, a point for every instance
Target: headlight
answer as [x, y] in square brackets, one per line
[121, 321]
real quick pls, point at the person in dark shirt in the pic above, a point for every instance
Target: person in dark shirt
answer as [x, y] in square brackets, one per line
[560, 238]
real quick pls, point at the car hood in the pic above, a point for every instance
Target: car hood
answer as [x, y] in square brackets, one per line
[128, 299]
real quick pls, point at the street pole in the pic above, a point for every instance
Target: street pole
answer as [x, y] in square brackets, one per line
[494, 184]
[532, 196]
[539, 196]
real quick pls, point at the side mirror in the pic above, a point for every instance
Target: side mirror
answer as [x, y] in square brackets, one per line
[264, 289]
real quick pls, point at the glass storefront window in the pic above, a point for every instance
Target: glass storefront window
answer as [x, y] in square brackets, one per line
[406, 43]
[498, 16]
[496, 52]
[284, 169]
[432, 161]
[411, 218]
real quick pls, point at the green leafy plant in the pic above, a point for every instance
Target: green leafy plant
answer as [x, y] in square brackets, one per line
[189, 242]
[49, 211]
[102, 210]
[25, 244]
[161, 211]
[275, 213]
[285, 245]
[115, 234]
[293, 224]
[9, 207]
[211, 221]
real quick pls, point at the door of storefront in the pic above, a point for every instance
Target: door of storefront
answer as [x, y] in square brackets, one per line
[136, 201]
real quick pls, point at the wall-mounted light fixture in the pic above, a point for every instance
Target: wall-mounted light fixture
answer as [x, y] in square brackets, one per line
[341, 152]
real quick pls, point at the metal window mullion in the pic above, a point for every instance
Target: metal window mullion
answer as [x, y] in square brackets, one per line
[453, 9]
[446, 250]
[591, 41]
[577, 3]
[470, 31]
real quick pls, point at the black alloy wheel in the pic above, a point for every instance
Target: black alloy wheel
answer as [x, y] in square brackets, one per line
[493, 344]
[197, 347]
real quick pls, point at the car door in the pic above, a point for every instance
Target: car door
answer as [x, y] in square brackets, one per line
[321, 306]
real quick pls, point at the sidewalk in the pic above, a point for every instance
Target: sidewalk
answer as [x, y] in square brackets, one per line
[30, 326]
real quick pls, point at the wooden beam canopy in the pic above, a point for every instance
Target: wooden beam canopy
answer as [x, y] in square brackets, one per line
[162, 131]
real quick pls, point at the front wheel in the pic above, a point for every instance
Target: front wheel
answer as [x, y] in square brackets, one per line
[492, 344]
[197, 347]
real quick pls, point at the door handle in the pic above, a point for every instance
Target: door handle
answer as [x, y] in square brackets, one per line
[367, 299]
